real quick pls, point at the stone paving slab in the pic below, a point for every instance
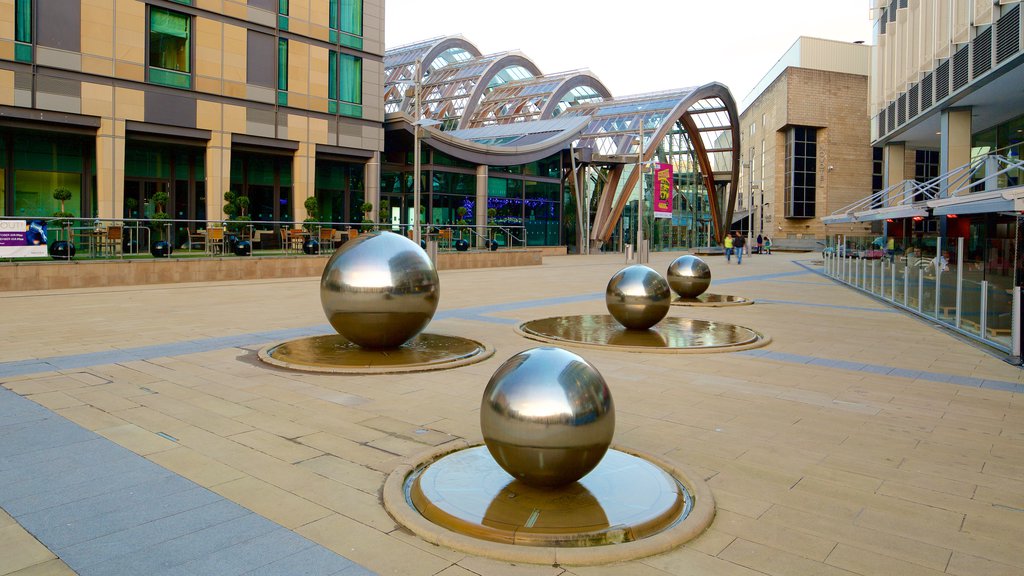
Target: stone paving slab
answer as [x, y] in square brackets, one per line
[860, 441]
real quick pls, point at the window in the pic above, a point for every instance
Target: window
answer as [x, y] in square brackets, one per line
[170, 48]
[282, 7]
[346, 22]
[23, 30]
[926, 167]
[345, 90]
[877, 175]
[282, 64]
[801, 171]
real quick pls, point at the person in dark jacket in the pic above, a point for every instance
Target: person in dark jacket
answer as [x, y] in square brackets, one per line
[739, 243]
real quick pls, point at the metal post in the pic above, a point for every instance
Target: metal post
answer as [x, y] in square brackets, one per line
[983, 320]
[1015, 327]
[892, 283]
[640, 204]
[959, 278]
[874, 273]
[938, 276]
[920, 292]
[416, 157]
[906, 286]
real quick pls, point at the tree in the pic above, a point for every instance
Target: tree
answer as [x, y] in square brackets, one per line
[62, 195]
[236, 207]
[367, 209]
[312, 213]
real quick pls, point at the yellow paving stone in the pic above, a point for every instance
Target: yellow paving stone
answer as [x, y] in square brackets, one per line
[456, 571]
[90, 418]
[19, 550]
[774, 534]
[497, 568]
[138, 440]
[348, 450]
[56, 400]
[711, 542]
[55, 567]
[966, 565]
[280, 448]
[278, 505]
[870, 563]
[196, 467]
[688, 562]
[372, 548]
[771, 561]
[151, 420]
[348, 473]
[275, 425]
[926, 555]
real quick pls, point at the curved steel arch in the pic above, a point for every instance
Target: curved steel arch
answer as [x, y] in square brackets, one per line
[498, 66]
[447, 44]
[400, 68]
[584, 78]
[721, 208]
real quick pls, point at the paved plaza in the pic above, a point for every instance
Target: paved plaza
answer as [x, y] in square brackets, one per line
[140, 434]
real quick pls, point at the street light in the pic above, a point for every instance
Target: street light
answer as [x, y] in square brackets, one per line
[417, 124]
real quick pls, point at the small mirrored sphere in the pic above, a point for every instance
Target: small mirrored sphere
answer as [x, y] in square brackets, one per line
[689, 276]
[379, 290]
[638, 297]
[547, 416]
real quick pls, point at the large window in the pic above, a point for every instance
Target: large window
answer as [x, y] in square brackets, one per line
[801, 171]
[339, 191]
[267, 181]
[345, 89]
[23, 30]
[346, 22]
[877, 174]
[282, 71]
[170, 48]
[34, 164]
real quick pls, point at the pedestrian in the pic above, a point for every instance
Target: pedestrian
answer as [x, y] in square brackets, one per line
[760, 244]
[728, 247]
[739, 243]
[767, 245]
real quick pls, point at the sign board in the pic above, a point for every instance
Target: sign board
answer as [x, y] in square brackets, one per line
[662, 190]
[23, 239]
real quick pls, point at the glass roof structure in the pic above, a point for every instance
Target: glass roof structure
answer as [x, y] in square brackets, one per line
[500, 109]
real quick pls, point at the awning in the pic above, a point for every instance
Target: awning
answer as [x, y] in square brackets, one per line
[1007, 200]
[908, 211]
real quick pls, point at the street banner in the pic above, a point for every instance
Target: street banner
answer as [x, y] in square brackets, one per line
[23, 239]
[662, 190]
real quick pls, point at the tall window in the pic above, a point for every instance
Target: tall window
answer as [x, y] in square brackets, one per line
[926, 167]
[346, 22]
[23, 30]
[877, 175]
[170, 53]
[282, 64]
[801, 171]
[345, 90]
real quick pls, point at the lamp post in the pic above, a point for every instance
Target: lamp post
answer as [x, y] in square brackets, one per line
[416, 157]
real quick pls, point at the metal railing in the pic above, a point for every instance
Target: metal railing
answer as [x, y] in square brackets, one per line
[974, 295]
[127, 238]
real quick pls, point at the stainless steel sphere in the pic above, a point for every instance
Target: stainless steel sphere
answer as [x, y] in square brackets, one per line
[689, 276]
[638, 297]
[379, 290]
[547, 416]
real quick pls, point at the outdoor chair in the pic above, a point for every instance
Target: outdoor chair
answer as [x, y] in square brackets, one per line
[112, 240]
[215, 240]
[327, 238]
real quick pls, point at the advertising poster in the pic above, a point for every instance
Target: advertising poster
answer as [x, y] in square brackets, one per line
[662, 190]
[23, 239]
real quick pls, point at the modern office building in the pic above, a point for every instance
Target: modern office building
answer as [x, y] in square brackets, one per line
[117, 101]
[497, 132]
[806, 148]
[947, 124]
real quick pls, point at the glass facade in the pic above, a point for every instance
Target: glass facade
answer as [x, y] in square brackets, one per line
[801, 171]
[339, 191]
[178, 171]
[34, 164]
[346, 23]
[170, 48]
[267, 181]
[345, 84]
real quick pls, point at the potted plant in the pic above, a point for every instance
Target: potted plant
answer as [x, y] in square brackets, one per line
[62, 195]
[312, 214]
[492, 234]
[236, 207]
[367, 209]
[158, 221]
[384, 215]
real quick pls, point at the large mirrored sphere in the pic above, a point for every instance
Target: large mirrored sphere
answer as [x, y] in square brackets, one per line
[547, 416]
[379, 290]
[689, 276]
[638, 297]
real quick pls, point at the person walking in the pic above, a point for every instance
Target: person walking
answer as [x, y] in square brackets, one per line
[767, 245]
[739, 243]
[728, 247]
[760, 244]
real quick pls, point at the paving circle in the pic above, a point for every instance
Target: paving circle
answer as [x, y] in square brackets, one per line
[629, 506]
[671, 335]
[334, 354]
[713, 300]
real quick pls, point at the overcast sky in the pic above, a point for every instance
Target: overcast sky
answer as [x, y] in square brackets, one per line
[637, 46]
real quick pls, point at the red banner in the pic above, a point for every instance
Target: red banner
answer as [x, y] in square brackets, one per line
[662, 190]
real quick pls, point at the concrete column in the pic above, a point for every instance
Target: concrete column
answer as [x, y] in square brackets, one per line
[371, 185]
[894, 156]
[303, 178]
[110, 169]
[954, 143]
[481, 202]
[218, 174]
